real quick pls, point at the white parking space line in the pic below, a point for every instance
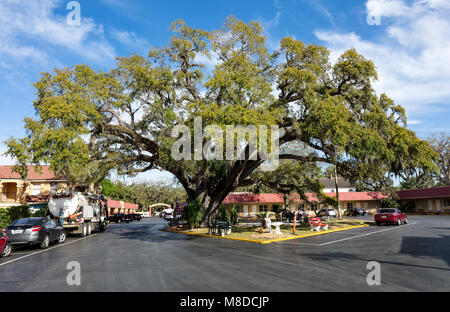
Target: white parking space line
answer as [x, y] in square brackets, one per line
[44, 250]
[348, 238]
[366, 234]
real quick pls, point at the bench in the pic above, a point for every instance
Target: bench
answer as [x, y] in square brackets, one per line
[316, 224]
[222, 227]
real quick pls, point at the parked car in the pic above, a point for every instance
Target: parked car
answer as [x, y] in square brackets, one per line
[136, 216]
[390, 215]
[5, 246]
[117, 218]
[129, 218]
[35, 231]
[356, 212]
[328, 212]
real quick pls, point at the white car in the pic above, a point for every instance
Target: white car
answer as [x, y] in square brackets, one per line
[329, 212]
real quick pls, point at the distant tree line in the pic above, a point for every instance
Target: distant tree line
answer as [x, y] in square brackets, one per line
[144, 193]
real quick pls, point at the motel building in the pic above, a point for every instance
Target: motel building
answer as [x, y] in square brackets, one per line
[14, 191]
[434, 200]
[115, 206]
[248, 204]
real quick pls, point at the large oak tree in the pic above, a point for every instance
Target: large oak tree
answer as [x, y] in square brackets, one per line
[122, 119]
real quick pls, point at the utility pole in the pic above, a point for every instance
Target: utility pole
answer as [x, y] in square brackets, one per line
[337, 192]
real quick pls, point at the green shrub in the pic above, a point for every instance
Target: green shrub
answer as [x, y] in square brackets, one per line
[8, 215]
[42, 212]
[193, 213]
[222, 214]
[234, 215]
[4, 218]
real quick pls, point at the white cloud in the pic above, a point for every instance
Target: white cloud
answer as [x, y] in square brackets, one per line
[35, 22]
[268, 26]
[4, 160]
[411, 56]
[131, 40]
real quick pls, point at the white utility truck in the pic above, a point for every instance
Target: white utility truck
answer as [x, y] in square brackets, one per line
[79, 213]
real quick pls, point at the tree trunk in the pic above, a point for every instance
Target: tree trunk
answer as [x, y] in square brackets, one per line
[210, 209]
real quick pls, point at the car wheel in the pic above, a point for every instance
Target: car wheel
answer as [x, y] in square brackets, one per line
[6, 250]
[378, 223]
[46, 242]
[62, 237]
[406, 220]
[399, 222]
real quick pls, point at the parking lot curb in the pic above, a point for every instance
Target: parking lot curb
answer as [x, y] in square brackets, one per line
[267, 241]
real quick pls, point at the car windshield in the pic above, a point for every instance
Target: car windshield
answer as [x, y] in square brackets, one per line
[27, 222]
[386, 211]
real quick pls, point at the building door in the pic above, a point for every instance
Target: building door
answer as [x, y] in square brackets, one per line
[438, 205]
[430, 206]
[245, 210]
[10, 192]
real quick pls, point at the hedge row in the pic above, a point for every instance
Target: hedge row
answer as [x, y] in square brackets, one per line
[8, 215]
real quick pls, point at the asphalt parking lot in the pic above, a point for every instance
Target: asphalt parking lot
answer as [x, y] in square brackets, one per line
[139, 257]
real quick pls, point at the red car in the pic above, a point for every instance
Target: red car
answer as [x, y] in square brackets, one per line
[5, 246]
[390, 215]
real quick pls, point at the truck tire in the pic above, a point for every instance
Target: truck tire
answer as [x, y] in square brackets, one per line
[83, 229]
[89, 229]
[102, 227]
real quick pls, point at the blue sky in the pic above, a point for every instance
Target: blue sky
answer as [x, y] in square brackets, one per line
[410, 46]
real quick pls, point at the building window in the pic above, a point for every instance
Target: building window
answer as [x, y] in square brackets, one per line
[263, 208]
[445, 203]
[276, 208]
[36, 189]
[421, 205]
[301, 207]
[349, 206]
[314, 206]
[238, 208]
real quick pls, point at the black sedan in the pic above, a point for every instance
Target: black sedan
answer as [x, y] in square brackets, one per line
[117, 218]
[35, 231]
[136, 216]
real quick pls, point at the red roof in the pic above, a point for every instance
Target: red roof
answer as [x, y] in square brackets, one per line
[45, 174]
[278, 198]
[117, 204]
[425, 193]
[253, 198]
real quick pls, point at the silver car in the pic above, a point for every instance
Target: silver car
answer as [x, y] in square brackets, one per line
[327, 212]
[35, 231]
